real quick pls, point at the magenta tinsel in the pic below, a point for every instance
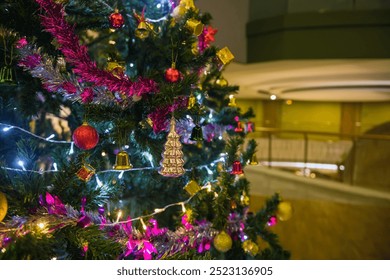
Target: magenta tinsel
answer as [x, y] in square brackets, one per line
[77, 55]
[152, 243]
[87, 95]
[161, 116]
[53, 204]
[22, 42]
[69, 87]
[30, 61]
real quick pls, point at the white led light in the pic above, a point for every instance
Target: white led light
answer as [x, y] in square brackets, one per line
[71, 151]
[121, 175]
[99, 183]
[50, 137]
[5, 129]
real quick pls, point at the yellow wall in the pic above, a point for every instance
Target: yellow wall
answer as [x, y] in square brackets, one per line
[256, 105]
[311, 116]
[374, 114]
[318, 116]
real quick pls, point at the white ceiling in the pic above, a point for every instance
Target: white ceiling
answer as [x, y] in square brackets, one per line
[349, 80]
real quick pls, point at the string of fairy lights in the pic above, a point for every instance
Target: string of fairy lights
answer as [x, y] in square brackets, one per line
[49, 139]
[100, 184]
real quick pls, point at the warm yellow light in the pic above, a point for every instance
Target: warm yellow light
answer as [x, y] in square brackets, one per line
[41, 225]
[183, 208]
[143, 224]
[119, 215]
[289, 102]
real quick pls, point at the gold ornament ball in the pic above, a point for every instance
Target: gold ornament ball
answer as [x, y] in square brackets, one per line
[223, 242]
[284, 211]
[3, 206]
[250, 247]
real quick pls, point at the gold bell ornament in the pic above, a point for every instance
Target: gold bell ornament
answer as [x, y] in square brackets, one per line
[142, 30]
[115, 68]
[122, 161]
[192, 187]
[195, 26]
[254, 160]
[232, 101]
[221, 82]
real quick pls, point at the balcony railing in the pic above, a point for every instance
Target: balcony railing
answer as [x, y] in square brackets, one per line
[352, 159]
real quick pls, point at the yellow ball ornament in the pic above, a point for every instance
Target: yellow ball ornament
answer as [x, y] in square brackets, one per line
[284, 211]
[250, 247]
[223, 242]
[3, 206]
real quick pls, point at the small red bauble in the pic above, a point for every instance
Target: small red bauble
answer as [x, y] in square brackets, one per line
[116, 20]
[85, 137]
[172, 75]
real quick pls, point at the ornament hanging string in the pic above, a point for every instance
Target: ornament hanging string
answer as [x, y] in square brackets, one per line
[77, 55]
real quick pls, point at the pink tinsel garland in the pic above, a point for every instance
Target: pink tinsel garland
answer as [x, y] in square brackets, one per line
[77, 55]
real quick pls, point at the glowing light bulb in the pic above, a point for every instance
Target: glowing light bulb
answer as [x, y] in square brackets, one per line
[5, 129]
[50, 137]
[119, 215]
[208, 187]
[272, 97]
[21, 164]
[121, 175]
[143, 224]
[158, 6]
[41, 225]
[55, 166]
[71, 151]
[98, 182]
[183, 208]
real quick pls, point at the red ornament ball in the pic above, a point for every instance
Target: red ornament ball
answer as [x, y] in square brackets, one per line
[116, 20]
[85, 137]
[172, 75]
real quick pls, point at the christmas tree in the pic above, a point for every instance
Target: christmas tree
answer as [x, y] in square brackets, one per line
[120, 138]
